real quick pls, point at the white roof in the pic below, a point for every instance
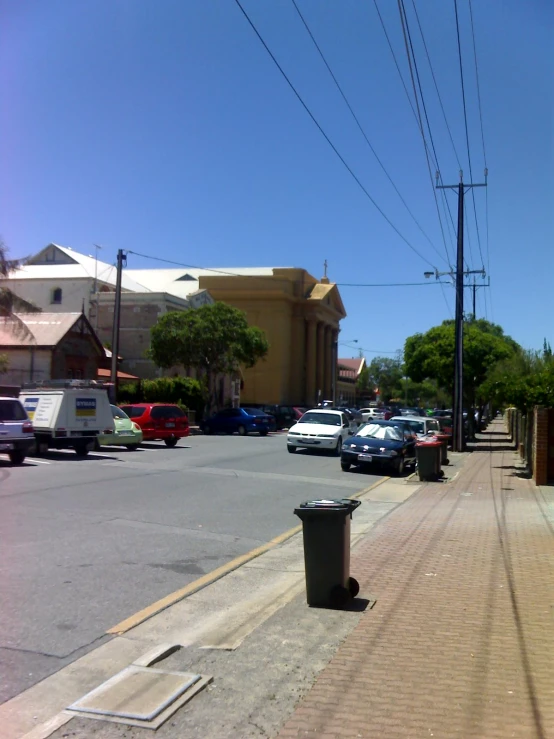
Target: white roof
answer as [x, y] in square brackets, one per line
[175, 282]
[82, 266]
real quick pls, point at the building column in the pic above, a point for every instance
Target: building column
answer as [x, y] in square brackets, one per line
[320, 363]
[311, 340]
[328, 383]
[334, 364]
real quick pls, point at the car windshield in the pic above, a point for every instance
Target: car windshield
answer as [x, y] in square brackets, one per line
[328, 419]
[417, 426]
[117, 413]
[254, 412]
[433, 425]
[378, 431]
[12, 410]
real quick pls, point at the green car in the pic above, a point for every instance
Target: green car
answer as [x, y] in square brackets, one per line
[125, 432]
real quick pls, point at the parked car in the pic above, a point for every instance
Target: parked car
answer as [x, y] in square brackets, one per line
[125, 432]
[422, 425]
[284, 415]
[370, 413]
[439, 413]
[445, 423]
[320, 428]
[238, 420]
[16, 430]
[387, 443]
[351, 415]
[163, 421]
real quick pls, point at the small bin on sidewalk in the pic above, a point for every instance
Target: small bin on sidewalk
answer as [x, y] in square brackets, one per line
[326, 532]
[444, 439]
[428, 454]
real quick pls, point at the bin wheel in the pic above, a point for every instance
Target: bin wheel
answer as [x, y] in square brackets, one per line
[353, 587]
[339, 596]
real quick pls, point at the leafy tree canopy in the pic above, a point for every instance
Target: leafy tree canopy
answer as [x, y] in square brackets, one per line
[216, 339]
[4, 363]
[386, 374]
[431, 355]
[10, 303]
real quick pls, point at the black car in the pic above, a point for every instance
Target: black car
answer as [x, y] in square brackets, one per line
[387, 443]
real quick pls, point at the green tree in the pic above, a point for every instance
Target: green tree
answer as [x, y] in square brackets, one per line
[386, 374]
[523, 381]
[431, 355]
[214, 339]
[10, 303]
[364, 386]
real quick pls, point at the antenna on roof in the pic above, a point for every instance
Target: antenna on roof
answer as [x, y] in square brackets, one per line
[95, 290]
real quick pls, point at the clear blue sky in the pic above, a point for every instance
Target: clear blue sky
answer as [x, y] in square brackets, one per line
[164, 127]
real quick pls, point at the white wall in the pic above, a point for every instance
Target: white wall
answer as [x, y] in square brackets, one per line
[39, 292]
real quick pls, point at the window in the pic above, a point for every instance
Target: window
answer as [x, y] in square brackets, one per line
[166, 411]
[56, 296]
[12, 410]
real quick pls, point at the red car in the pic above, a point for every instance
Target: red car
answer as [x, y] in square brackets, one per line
[159, 421]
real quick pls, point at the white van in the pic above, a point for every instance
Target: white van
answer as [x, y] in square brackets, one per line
[67, 415]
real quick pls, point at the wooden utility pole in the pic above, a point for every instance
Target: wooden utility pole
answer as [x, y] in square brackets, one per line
[458, 439]
[121, 262]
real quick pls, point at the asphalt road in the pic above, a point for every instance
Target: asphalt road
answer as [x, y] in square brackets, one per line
[85, 543]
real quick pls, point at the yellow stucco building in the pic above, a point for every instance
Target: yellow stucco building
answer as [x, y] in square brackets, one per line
[300, 317]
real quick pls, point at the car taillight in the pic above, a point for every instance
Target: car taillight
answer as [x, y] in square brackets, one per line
[61, 432]
[136, 426]
[27, 427]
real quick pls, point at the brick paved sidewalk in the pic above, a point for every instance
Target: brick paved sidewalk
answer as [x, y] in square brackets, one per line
[461, 640]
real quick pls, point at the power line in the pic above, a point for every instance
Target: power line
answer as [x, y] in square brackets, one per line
[407, 39]
[436, 85]
[482, 139]
[326, 137]
[238, 274]
[357, 121]
[467, 130]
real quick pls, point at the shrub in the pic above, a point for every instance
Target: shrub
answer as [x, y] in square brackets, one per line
[187, 392]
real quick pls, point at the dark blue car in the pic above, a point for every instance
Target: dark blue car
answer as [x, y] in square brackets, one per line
[238, 420]
[387, 443]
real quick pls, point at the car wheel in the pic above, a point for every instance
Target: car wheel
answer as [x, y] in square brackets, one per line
[291, 449]
[263, 433]
[132, 447]
[242, 431]
[171, 442]
[338, 448]
[82, 450]
[17, 456]
[207, 430]
[345, 466]
[399, 467]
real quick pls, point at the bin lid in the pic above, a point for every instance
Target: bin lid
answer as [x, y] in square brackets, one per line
[428, 442]
[323, 507]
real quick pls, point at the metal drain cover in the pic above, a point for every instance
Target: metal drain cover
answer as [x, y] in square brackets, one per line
[140, 696]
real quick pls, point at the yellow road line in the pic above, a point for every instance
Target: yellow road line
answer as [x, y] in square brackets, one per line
[365, 491]
[197, 585]
[211, 577]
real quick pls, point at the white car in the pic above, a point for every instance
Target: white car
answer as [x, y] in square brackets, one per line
[319, 429]
[372, 413]
[16, 430]
[422, 425]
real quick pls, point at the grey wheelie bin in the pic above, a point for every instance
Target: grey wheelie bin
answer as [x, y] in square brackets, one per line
[428, 454]
[326, 531]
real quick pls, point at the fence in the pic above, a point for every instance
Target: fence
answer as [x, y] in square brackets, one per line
[533, 437]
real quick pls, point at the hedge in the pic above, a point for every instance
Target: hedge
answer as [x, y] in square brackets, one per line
[190, 394]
